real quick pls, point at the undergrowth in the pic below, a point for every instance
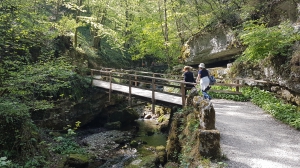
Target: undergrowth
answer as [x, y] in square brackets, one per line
[227, 96]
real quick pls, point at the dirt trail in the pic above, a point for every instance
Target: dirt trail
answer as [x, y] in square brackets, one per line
[251, 138]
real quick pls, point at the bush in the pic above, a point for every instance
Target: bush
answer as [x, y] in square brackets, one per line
[226, 95]
[263, 41]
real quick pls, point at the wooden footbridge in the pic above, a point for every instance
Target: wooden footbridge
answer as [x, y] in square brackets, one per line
[152, 86]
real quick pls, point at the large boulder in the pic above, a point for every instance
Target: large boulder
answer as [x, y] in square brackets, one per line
[209, 143]
[215, 46]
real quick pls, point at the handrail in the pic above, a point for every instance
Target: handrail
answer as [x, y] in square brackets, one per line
[149, 77]
[154, 82]
[145, 72]
[135, 71]
[134, 77]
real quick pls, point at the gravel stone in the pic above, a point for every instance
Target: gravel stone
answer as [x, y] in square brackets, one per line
[251, 138]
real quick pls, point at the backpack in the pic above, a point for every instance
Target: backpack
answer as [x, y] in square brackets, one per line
[212, 80]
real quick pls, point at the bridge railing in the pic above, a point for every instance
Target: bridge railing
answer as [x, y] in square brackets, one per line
[141, 81]
[234, 83]
[237, 83]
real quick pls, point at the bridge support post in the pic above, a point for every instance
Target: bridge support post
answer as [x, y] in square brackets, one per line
[182, 94]
[130, 100]
[92, 75]
[153, 96]
[110, 87]
[135, 78]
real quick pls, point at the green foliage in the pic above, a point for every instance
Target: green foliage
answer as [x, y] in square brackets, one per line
[193, 125]
[67, 144]
[161, 118]
[12, 109]
[24, 32]
[286, 113]
[263, 41]
[66, 25]
[36, 85]
[13, 115]
[235, 97]
[5, 163]
[36, 161]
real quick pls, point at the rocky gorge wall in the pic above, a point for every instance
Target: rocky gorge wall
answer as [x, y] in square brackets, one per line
[95, 108]
[221, 43]
[282, 73]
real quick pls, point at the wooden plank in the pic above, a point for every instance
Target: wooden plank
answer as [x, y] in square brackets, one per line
[164, 97]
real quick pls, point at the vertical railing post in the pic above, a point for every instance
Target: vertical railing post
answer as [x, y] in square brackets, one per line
[92, 75]
[135, 79]
[237, 88]
[153, 96]
[182, 94]
[110, 86]
[130, 100]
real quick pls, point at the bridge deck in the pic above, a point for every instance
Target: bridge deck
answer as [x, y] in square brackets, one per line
[139, 92]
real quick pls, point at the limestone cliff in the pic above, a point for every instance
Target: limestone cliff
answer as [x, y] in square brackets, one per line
[220, 42]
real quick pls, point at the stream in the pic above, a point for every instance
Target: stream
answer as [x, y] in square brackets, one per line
[125, 148]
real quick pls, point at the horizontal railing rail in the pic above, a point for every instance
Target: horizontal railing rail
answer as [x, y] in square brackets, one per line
[150, 81]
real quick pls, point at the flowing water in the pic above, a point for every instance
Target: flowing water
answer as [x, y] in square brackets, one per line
[149, 133]
[148, 137]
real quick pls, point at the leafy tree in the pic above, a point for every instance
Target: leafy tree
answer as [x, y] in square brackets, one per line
[263, 41]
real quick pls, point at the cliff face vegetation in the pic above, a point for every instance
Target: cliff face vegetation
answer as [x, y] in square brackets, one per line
[221, 40]
[262, 38]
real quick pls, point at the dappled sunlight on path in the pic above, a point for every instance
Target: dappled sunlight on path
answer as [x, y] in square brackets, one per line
[251, 138]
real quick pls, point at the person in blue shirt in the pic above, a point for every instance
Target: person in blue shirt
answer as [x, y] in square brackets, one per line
[203, 75]
[188, 77]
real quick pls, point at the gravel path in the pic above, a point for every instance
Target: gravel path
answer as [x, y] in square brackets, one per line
[251, 138]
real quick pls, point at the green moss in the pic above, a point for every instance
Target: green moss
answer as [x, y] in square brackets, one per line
[171, 165]
[78, 160]
[133, 143]
[161, 119]
[148, 161]
[60, 163]
[160, 148]
[79, 157]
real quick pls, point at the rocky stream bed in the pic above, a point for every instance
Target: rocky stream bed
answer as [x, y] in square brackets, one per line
[141, 145]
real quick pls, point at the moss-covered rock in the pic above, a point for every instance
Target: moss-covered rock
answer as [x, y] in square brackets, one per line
[125, 116]
[171, 165]
[134, 144]
[161, 154]
[209, 143]
[150, 161]
[184, 138]
[173, 146]
[113, 125]
[78, 161]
